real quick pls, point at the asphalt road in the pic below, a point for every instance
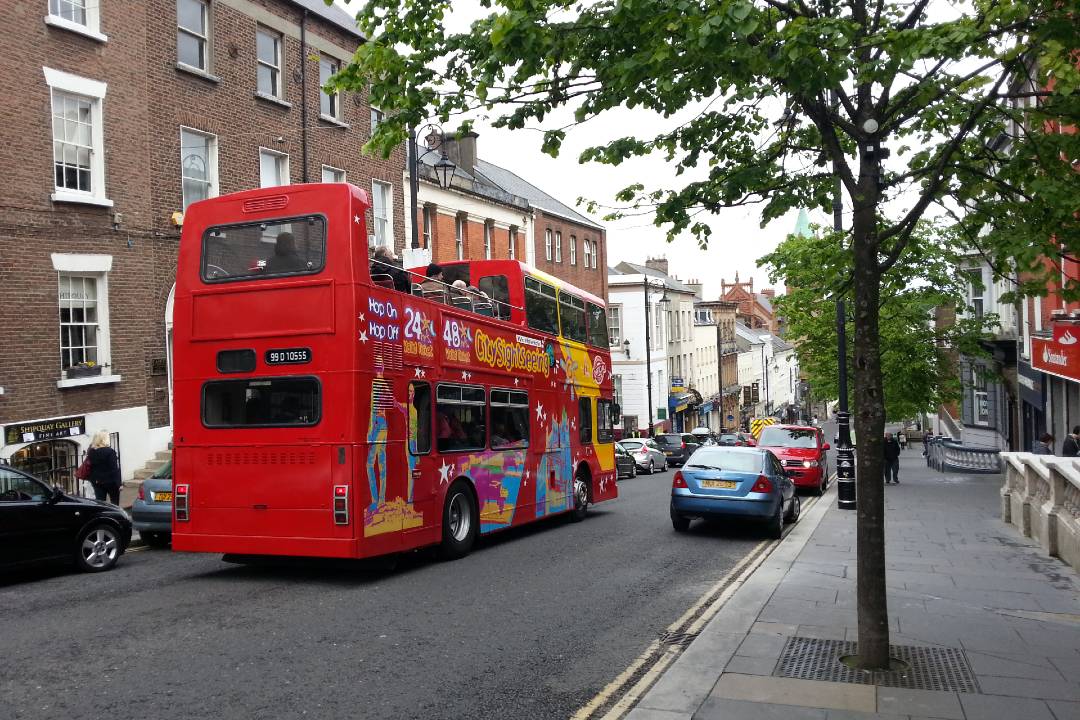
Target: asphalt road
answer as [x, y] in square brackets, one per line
[531, 625]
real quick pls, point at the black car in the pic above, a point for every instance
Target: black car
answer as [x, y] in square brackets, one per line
[625, 465]
[43, 524]
[677, 447]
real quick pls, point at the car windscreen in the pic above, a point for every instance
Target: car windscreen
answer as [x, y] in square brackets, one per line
[729, 438]
[717, 458]
[631, 444]
[788, 437]
[671, 440]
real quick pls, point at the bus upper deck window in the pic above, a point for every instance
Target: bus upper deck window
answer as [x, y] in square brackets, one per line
[598, 334]
[497, 288]
[272, 248]
[541, 306]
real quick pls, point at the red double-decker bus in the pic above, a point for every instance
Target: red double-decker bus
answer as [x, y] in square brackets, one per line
[320, 412]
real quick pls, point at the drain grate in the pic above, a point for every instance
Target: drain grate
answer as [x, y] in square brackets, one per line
[930, 668]
[677, 639]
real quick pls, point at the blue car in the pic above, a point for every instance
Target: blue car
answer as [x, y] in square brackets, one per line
[151, 513]
[739, 482]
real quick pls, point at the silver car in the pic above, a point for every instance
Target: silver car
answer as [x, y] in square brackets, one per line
[646, 453]
[151, 513]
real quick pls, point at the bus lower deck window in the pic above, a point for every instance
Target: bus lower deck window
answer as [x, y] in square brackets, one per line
[459, 422]
[509, 419]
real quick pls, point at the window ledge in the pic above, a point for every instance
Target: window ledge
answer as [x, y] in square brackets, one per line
[333, 121]
[59, 22]
[95, 380]
[197, 72]
[66, 196]
[272, 99]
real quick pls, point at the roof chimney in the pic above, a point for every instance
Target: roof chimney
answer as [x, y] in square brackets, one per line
[768, 292]
[461, 150]
[659, 264]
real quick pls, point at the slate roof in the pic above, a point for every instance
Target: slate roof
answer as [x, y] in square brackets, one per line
[332, 14]
[763, 301]
[629, 268]
[515, 185]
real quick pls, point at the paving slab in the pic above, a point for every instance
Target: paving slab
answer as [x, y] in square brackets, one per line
[792, 691]
[919, 702]
[1064, 710]
[990, 707]
[1025, 687]
[725, 709]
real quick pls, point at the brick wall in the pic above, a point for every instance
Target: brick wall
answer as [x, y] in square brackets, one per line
[592, 280]
[444, 239]
[146, 102]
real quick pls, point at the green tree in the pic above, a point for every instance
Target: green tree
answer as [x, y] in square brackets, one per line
[918, 354]
[788, 95]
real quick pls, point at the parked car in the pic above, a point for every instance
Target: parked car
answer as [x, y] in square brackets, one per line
[736, 439]
[625, 466]
[40, 524]
[734, 482]
[646, 453]
[677, 447]
[703, 436]
[801, 449]
[151, 513]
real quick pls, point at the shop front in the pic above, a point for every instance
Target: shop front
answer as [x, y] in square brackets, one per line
[1057, 357]
[1032, 404]
[48, 449]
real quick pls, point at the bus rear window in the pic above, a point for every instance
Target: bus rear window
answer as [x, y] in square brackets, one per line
[293, 246]
[598, 334]
[261, 402]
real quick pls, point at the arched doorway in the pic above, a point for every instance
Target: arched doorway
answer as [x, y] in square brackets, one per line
[53, 461]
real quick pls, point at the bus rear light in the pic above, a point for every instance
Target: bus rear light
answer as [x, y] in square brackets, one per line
[180, 502]
[341, 504]
[678, 481]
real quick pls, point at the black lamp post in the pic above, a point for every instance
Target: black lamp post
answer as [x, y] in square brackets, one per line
[648, 349]
[444, 173]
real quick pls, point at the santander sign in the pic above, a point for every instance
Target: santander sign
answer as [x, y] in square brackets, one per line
[1059, 354]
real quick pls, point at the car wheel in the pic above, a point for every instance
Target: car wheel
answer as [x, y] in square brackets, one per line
[459, 525]
[633, 470]
[98, 548]
[796, 509]
[679, 522]
[663, 468]
[652, 466]
[156, 539]
[776, 525]
[581, 498]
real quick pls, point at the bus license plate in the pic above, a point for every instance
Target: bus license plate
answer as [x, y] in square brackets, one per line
[719, 484]
[163, 497]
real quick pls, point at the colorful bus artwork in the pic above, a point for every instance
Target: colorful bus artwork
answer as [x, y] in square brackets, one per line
[320, 412]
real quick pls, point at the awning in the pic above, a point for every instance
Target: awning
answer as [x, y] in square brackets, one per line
[680, 402]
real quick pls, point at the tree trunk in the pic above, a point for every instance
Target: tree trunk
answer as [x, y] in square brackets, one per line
[873, 646]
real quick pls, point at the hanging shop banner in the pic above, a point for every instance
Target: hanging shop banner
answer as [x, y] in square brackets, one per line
[45, 430]
[1059, 354]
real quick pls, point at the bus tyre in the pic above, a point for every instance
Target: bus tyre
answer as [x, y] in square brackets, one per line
[581, 498]
[459, 522]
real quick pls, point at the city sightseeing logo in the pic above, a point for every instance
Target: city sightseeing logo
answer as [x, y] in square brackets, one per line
[599, 370]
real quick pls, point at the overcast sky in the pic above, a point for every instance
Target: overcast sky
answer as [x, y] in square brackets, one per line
[737, 238]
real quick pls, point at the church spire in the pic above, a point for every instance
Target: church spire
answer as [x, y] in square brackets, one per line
[802, 225]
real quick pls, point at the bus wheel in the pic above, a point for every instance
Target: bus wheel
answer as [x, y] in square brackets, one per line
[459, 524]
[581, 497]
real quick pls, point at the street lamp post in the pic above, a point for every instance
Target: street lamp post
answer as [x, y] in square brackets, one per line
[444, 173]
[648, 348]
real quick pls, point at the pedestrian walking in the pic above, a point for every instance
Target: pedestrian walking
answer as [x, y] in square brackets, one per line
[104, 468]
[892, 460]
[901, 437]
[1044, 445]
[925, 444]
[1071, 445]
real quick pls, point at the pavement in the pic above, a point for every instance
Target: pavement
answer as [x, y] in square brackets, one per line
[960, 582]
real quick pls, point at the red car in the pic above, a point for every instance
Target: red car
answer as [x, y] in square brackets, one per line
[801, 450]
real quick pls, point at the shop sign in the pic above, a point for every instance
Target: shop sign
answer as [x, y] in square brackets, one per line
[1060, 354]
[1031, 384]
[678, 385]
[45, 430]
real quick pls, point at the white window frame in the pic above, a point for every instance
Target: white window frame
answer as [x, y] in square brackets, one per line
[573, 250]
[204, 39]
[336, 174]
[93, 91]
[211, 160]
[98, 267]
[92, 15]
[587, 247]
[976, 294]
[614, 323]
[980, 398]
[488, 230]
[547, 244]
[334, 99]
[459, 236]
[427, 218]
[278, 70]
[281, 160]
[558, 246]
[595, 253]
[387, 191]
[375, 118]
[511, 240]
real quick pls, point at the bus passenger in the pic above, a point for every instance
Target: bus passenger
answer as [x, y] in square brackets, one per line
[285, 258]
[384, 262]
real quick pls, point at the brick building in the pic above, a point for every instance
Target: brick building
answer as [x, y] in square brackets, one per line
[490, 212]
[755, 308]
[142, 108]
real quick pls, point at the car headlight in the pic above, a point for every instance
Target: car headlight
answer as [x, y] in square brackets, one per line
[809, 463]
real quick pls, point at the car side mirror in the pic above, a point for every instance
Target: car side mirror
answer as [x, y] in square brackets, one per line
[826, 446]
[56, 495]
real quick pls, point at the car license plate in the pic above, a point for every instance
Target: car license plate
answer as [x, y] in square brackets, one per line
[668, 453]
[163, 496]
[719, 484]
